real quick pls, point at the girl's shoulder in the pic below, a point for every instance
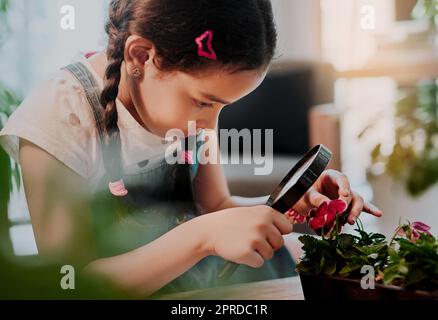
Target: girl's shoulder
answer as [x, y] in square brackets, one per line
[56, 116]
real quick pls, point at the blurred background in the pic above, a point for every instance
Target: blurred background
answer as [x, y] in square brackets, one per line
[356, 75]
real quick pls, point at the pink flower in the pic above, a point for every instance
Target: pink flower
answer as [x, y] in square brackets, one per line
[317, 222]
[421, 227]
[412, 231]
[324, 217]
[400, 232]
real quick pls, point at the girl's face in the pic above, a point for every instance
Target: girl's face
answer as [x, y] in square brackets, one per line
[170, 100]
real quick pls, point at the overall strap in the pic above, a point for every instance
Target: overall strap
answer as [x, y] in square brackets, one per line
[91, 89]
[92, 92]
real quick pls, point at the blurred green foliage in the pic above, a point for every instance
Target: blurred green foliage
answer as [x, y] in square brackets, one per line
[5, 187]
[4, 27]
[414, 158]
[4, 5]
[30, 277]
[8, 170]
[426, 9]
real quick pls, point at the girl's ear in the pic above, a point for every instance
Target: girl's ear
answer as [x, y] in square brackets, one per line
[139, 52]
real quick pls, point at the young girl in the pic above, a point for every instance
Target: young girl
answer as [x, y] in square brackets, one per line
[90, 142]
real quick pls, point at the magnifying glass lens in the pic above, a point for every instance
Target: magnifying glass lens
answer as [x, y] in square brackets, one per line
[294, 179]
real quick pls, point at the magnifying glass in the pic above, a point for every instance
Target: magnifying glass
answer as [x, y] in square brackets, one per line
[292, 188]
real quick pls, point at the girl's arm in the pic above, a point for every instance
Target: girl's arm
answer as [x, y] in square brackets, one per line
[60, 218]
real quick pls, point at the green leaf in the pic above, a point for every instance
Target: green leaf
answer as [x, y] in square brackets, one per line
[307, 240]
[415, 276]
[329, 267]
[345, 241]
[347, 254]
[321, 263]
[349, 268]
[377, 237]
[371, 249]
[390, 275]
[305, 266]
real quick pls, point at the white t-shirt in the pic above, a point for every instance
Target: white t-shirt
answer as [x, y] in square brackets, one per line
[57, 117]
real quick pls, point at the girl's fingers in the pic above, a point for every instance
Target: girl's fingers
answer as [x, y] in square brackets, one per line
[346, 194]
[344, 189]
[334, 181]
[315, 199]
[265, 250]
[275, 238]
[282, 223]
[372, 209]
[357, 206]
[255, 260]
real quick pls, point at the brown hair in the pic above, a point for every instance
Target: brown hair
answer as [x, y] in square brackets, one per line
[244, 39]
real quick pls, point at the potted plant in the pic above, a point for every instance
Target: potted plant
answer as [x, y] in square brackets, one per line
[366, 265]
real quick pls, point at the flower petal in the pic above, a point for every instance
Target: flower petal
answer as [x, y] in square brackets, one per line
[317, 222]
[339, 205]
[420, 226]
[323, 209]
[400, 232]
[311, 214]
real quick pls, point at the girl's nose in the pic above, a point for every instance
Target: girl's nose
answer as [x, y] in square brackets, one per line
[207, 123]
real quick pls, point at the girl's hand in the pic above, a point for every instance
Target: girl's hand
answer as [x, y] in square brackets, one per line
[334, 185]
[245, 235]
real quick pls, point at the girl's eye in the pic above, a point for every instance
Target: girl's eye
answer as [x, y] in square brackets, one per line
[204, 104]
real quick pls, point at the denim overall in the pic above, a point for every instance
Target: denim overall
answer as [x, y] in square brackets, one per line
[160, 197]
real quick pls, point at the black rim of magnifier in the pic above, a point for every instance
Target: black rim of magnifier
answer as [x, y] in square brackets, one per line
[304, 183]
[295, 193]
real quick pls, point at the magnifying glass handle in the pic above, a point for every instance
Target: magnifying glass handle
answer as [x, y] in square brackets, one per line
[227, 270]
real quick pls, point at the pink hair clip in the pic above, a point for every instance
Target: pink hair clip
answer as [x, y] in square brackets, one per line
[202, 52]
[118, 188]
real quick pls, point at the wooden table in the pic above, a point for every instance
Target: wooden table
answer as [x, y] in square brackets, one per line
[279, 289]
